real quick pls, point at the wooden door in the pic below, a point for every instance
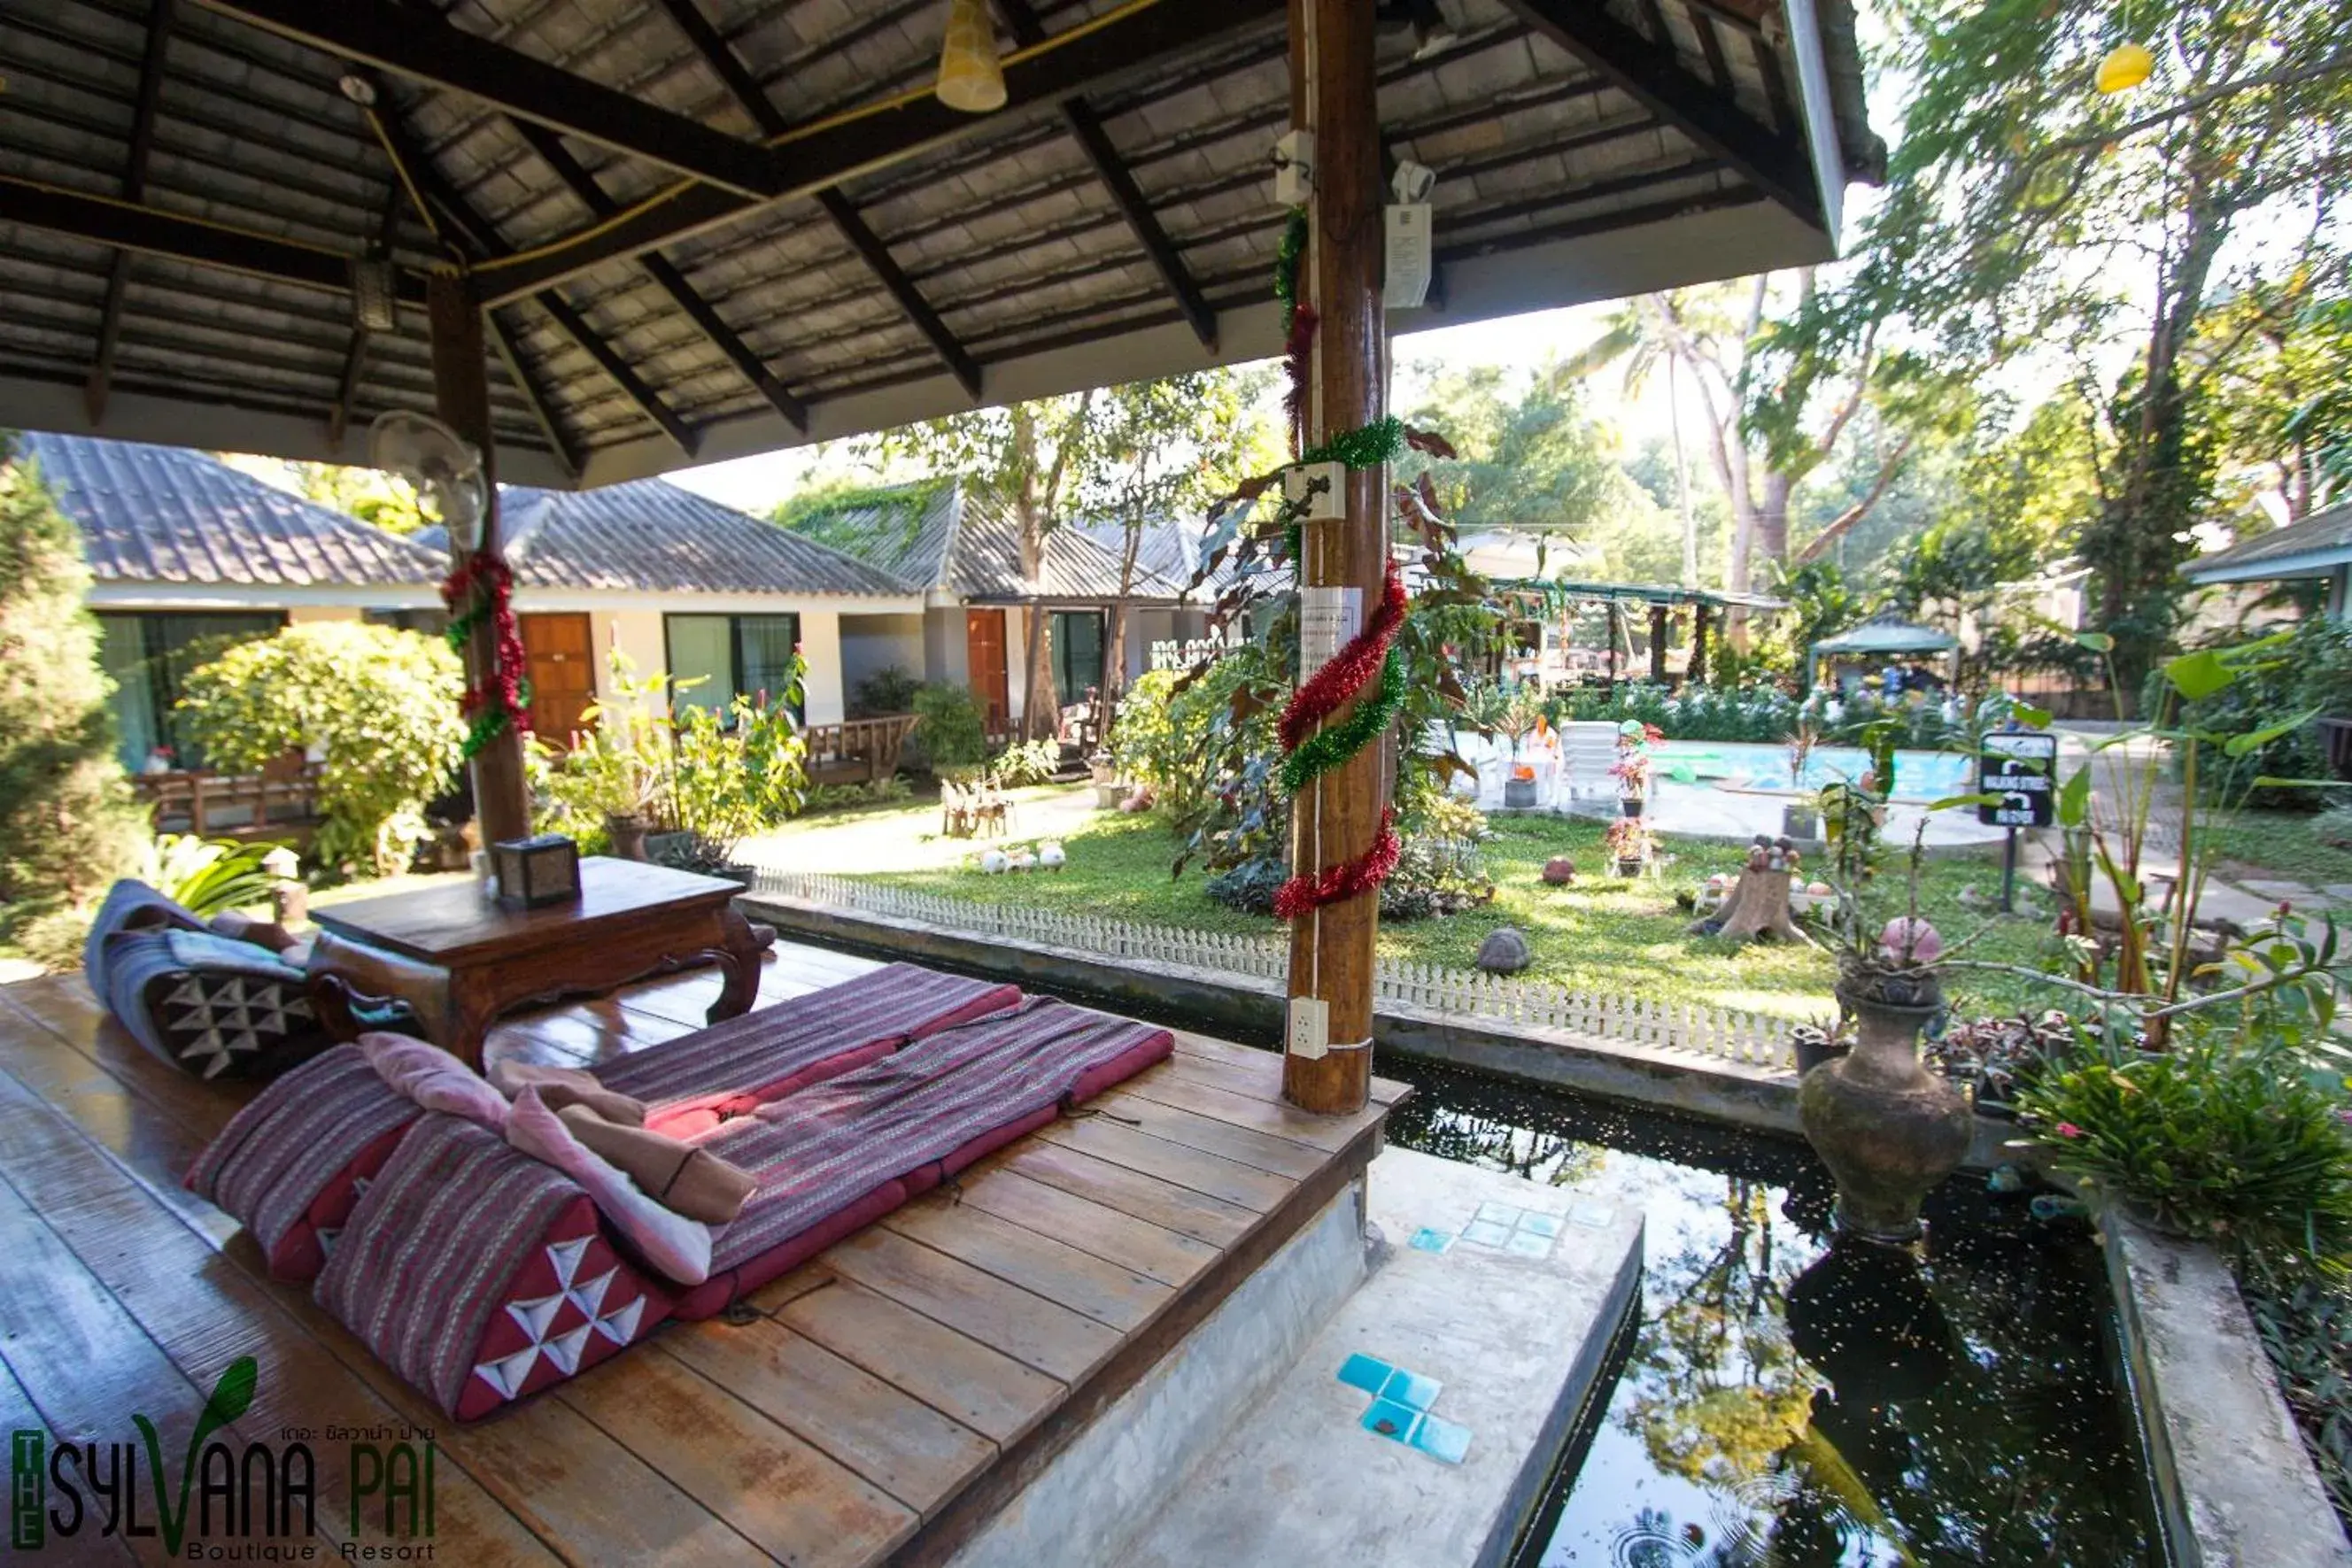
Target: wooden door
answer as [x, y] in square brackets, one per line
[559, 656]
[983, 633]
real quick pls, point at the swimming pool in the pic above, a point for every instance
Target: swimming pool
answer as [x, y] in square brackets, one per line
[1918, 775]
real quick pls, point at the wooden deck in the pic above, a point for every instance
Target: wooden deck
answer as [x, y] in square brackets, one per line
[877, 1405]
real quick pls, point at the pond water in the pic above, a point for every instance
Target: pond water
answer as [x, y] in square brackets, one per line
[1787, 1403]
[1918, 775]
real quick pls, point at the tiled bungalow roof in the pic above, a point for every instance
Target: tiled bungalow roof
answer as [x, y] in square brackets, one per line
[652, 537]
[166, 514]
[2314, 547]
[958, 537]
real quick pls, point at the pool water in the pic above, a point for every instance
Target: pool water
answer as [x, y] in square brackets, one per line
[1918, 775]
[1790, 1404]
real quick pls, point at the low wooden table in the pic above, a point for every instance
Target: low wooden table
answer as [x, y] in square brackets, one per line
[461, 959]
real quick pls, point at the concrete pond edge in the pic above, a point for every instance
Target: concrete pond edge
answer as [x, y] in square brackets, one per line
[2234, 1484]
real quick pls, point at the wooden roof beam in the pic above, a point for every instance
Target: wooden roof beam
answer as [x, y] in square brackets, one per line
[347, 384]
[1652, 75]
[672, 282]
[134, 190]
[474, 237]
[826, 156]
[525, 85]
[846, 220]
[1086, 128]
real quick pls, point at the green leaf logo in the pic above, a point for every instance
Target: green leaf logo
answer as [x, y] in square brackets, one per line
[230, 1397]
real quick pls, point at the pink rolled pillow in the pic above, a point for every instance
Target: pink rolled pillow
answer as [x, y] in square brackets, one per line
[672, 1244]
[433, 1079]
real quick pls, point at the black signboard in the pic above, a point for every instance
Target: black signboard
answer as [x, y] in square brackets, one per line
[2020, 771]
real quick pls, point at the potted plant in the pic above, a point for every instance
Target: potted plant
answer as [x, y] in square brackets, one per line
[1631, 768]
[1518, 716]
[1801, 819]
[1628, 841]
[727, 780]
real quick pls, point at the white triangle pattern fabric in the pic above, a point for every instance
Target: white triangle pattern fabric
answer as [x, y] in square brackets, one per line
[536, 1316]
[229, 1020]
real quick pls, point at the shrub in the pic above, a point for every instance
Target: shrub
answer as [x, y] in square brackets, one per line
[1026, 762]
[379, 706]
[68, 827]
[954, 732]
[726, 779]
[890, 689]
[2220, 1137]
[208, 877]
[2310, 671]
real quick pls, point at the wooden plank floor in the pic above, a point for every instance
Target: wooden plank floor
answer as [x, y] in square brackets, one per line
[875, 1405]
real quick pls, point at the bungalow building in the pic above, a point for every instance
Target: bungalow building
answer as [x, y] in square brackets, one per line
[188, 555]
[2316, 548]
[959, 548]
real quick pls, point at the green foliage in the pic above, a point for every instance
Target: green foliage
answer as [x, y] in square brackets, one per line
[380, 501]
[849, 797]
[954, 732]
[378, 705]
[2310, 673]
[879, 523]
[728, 778]
[1822, 603]
[2220, 1136]
[68, 827]
[208, 877]
[1537, 462]
[888, 690]
[1024, 762]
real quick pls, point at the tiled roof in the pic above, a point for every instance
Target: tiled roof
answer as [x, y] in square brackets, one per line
[2319, 542]
[960, 538]
[652, 537]
[169, 515]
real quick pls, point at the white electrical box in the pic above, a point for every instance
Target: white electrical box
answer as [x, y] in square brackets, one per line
[1322, 486]
[1309, 1034]
[1409, 257]
[1294, 168]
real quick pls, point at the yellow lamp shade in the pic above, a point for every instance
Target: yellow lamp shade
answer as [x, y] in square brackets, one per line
[2126, 66]
[969, 77]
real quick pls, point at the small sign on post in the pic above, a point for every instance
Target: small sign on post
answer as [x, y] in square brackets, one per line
[2017, 771]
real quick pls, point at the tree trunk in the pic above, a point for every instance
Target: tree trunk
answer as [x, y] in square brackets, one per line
[1040, 714]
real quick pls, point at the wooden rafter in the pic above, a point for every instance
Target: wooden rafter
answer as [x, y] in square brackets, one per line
[1086, 128]
[829, 153]
[1775, 162]
[668, 278]
[134, 190]
[846, 220]
[470, 234]
[347, 384]
[525, 85]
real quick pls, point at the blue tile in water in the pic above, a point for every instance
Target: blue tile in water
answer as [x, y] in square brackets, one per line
[1440, 1439]
[1485, 1233]
[1365, 1372]
[1390, 1419]
[1500, 1213]
[1412, 1390]
[1539, 1225]
[1527, 1244]
[1427, 1241]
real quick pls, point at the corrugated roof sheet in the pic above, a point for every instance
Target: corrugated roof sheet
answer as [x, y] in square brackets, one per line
[650, 536]
[2320, 534]
[168, 514]
[958, 537]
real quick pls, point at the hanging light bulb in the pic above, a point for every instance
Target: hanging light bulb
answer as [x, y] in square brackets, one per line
[969, 77]
[2126, 66]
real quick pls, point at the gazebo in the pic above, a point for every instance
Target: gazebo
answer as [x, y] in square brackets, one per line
[1880, 637]
[603, 239]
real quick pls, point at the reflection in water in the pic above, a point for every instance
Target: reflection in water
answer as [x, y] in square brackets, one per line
[1789, 1403]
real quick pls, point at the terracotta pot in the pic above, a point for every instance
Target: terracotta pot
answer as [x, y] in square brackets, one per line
[628, 836]
[1888, 1129]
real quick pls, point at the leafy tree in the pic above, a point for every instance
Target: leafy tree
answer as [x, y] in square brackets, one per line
[1045, 457]
[2282, 388]
[68, 827]
[380, 706]
[379, 499]
[2029, 218]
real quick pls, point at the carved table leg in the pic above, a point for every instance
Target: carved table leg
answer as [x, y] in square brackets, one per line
[739, 960]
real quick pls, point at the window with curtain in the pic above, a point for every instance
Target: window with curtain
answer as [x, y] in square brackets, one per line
[730, 654]
[1077, 653]
[149, 656]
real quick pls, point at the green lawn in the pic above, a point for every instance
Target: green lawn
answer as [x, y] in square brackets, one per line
[1601, 934]
[2278, 844]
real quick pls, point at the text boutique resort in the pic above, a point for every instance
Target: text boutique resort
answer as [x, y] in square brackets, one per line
[1157, 783]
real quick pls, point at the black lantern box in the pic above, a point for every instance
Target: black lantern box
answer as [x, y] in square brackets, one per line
[535, 872]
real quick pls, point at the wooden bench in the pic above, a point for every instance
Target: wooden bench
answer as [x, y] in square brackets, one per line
[860, 752]
[280, 802]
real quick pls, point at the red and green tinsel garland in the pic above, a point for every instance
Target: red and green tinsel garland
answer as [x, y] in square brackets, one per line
[486, 586]
[1287, 254]
[1310, 891]
[1349, 673]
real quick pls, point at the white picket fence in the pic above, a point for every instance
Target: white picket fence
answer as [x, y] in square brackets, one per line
[1723, 1034]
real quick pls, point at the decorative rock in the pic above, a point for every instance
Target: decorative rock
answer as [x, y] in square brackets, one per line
[1021, 860]
[995, 863]
[1558, 871]
[1052, 856]
[1910, 942]
[1504, 952]
[1820, 889]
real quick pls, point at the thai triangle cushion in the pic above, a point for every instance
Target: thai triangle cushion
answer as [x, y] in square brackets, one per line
[128, 905]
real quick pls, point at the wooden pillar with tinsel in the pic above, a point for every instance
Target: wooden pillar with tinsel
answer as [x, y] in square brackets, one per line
[1340, 819]
[1697, 673]
[1658, 644]
[461, 393]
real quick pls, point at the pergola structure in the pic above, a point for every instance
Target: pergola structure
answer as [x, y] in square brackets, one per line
[605, 238]
[1708, 607]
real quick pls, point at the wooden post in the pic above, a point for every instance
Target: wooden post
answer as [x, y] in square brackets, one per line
[1696, 676]
[461, 392]
[1616, 638]
[1338, 819]
[1658, 644]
